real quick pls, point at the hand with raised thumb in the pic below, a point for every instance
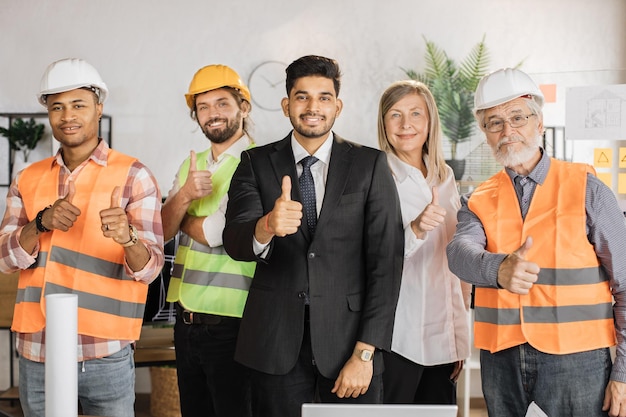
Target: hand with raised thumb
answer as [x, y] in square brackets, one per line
[286, 216]
[63, 213]
[114, 221]
[430, 218]
[517, 274]
[198, 183]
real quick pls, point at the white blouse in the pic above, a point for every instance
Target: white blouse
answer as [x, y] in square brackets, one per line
[431, 325]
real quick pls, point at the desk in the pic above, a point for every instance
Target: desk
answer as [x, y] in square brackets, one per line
[8, 292]
[155, 345]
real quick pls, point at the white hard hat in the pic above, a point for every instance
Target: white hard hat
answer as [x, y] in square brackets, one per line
[70, 74]
[505, 85]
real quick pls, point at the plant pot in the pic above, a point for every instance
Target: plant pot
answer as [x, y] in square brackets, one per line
[458, 166]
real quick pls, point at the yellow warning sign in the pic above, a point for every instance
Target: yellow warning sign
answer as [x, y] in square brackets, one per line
[621, 183]
[622, 157]
[605, 177]
[602, 157]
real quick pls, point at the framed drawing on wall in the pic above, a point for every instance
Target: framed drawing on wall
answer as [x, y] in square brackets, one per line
[5, 162]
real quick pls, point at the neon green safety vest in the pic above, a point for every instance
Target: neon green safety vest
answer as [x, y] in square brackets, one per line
[206, 279]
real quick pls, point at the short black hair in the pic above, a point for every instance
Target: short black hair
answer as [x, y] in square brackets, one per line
[313, 65]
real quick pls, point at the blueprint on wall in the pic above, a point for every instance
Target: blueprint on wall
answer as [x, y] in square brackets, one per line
[596, 113]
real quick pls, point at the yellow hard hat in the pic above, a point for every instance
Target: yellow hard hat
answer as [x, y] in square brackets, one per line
[213, 77]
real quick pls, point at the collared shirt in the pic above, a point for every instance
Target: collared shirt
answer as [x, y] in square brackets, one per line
[319, 171]
[606, 231]
[431, 326]
[213, 225]
[144, 207]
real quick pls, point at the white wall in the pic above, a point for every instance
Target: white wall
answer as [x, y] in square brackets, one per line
[148, 50]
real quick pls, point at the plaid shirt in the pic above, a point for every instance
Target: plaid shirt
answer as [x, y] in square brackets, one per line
[143, 210]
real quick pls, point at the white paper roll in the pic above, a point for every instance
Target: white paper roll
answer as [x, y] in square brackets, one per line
[61, 355]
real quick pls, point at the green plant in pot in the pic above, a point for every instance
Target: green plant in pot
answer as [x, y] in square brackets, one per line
[453, 85]
[23, 136]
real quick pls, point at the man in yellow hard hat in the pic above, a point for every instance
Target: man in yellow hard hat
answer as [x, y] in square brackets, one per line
[86, 221]
[543, 242]
[209, 288]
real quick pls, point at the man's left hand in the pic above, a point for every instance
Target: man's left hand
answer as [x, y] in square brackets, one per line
[615, 399]
[114, 220]
[354, 378]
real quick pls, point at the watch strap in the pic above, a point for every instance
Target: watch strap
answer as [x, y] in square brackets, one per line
[39, 223]
[132, 231]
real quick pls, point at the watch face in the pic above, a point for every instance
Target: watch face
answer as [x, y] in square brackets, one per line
[366, 355]
[267, 85]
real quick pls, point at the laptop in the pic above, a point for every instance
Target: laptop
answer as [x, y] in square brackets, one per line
[378, 410]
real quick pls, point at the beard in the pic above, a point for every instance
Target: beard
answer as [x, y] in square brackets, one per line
[312, 132]
[230, 128]
[508, 157]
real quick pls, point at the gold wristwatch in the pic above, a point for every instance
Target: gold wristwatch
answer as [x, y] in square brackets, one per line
[364, 354]
[134, 237]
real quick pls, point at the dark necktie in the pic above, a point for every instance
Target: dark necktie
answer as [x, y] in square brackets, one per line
[307, 189]
[523, 188]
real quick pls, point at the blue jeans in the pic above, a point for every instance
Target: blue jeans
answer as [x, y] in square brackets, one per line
[106, 386]
[562, 385]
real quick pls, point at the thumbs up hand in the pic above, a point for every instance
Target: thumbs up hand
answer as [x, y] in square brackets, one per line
[516, 274]
[285, 217]
[198, 183]
[63, 213]
[432, 216]
[114, 220]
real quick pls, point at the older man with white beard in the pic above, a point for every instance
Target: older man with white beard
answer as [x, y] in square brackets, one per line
[543, 242]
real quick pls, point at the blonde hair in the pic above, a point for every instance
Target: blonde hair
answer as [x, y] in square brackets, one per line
[436, 163]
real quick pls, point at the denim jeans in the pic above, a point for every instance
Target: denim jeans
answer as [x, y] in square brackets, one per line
[106, 386]
[562, 385]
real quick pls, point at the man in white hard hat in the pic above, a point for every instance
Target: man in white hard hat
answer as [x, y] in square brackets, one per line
[209, 288]
[542, 241]
[86, 221]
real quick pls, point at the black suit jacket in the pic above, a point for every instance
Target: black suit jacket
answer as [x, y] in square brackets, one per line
[351, 269]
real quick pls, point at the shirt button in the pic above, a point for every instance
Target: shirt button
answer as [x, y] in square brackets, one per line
[302, 294]
[311, 255]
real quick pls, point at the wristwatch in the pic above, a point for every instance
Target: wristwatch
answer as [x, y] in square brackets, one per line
[134, 237]
[364, 354]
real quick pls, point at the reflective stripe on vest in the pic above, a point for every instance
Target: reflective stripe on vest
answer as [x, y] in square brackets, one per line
[80, 261]
[569, 308]
[206, 279]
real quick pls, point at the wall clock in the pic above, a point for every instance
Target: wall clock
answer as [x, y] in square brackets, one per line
[267, 85]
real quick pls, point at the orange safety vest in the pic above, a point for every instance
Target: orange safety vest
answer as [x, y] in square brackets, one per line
[569, 308]
[80, 261]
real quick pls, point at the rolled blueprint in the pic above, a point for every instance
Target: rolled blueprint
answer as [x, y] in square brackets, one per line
[61, 355]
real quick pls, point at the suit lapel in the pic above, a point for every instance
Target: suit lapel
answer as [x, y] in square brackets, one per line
[339, 167]
[283, 164]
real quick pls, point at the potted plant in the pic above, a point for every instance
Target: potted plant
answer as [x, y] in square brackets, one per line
[453, 85]
[23, 136]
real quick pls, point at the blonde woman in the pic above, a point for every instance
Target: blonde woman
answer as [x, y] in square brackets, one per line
[430, 335]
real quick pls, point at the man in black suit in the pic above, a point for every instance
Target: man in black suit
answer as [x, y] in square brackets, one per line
[323, 297]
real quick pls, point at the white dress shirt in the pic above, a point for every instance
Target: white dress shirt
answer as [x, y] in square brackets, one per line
[431, 325]
[319, 171]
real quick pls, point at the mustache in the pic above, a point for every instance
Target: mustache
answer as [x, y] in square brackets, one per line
[309, 114]
[508, 140]
[215, 120]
